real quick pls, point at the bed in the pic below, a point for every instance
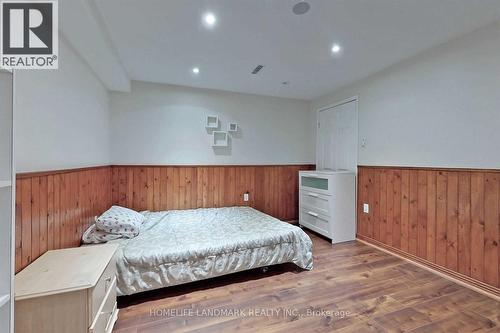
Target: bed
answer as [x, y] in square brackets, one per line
[181, 246]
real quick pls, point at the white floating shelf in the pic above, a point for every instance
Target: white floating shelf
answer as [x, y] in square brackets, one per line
[4, 299]
[212, 122]
[232, 127]
[5, 183]
[219, 139]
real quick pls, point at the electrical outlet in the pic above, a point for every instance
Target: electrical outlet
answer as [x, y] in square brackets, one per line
[366, 208]
[363, 143]
[246, 196]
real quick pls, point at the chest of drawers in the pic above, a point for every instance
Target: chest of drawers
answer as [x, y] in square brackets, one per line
[327, 203]
[69, 290]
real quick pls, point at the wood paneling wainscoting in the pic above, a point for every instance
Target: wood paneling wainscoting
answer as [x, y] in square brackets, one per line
[53, 208]
[448, 219]
[272, 189]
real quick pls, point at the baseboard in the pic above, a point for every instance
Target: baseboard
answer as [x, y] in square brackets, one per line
[446, 273]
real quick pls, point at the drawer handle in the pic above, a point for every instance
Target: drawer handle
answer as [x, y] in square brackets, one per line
[107, 282]
[314, 195]
[313, 214]
[107, 312]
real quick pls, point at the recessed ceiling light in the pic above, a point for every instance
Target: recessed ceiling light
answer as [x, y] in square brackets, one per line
[195, 70]
[209, 19]
[336, 48]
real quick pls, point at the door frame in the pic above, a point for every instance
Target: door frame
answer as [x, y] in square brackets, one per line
[329, 106]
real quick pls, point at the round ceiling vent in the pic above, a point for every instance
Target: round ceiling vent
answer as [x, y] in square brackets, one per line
[301, 8]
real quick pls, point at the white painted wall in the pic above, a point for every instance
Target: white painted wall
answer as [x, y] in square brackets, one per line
[62, 116]
[440, 108]
[164, 124]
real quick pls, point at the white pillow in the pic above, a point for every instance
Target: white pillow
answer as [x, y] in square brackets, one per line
[120, 221]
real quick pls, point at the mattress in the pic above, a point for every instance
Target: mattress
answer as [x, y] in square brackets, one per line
[181, 246]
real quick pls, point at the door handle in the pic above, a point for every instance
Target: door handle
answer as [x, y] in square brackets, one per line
[314, 195]
[313, 214]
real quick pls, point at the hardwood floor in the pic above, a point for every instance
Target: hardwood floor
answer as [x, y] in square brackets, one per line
[352, 288]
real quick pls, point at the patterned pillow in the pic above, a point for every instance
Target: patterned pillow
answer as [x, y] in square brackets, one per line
[120, 221]
[94, 236]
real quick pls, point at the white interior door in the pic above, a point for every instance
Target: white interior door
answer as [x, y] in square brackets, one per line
[337, 137]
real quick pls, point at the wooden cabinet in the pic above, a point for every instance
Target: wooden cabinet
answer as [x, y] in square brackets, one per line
[69, 290]
[7, 188]
[327, 203]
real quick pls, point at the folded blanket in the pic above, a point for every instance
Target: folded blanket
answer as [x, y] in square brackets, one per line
[94, 236]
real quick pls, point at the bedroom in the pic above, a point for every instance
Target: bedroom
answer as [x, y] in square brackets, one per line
[259, 166]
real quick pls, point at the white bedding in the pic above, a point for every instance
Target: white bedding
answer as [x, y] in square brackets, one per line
[181, 246]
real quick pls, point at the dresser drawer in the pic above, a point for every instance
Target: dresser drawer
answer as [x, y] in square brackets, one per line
[315, 221]
[319, 202]
[104, 318]
[100, 290]
[315, 182]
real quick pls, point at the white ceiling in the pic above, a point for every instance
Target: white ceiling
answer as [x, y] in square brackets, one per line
[92, 43]
[160, 40]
